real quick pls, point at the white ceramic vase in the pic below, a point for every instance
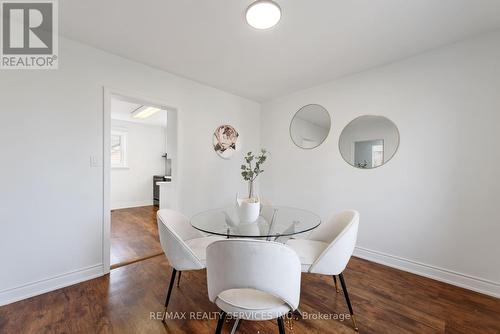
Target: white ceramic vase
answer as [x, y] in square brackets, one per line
[248, 209]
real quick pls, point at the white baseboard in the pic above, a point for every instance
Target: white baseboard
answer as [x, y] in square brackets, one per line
[24, 291]
[126, 205]
[487, 287]
[464, 281]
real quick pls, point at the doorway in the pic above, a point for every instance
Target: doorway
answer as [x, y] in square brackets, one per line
[140, 148]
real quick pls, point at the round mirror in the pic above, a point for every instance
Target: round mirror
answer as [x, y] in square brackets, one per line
[369, 141]
[310, 126]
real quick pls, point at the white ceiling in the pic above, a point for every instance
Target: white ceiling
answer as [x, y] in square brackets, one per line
[122, 110]
[315, 42]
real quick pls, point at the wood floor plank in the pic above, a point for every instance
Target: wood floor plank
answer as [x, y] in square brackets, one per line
[134, 235]
[123, 301]
[129, 299]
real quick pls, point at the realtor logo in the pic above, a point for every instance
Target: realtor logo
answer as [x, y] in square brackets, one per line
[29, 36]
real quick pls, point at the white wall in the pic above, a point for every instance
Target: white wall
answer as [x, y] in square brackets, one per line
[435, 203]
[51, 199]
[133, 186]
[433, 209]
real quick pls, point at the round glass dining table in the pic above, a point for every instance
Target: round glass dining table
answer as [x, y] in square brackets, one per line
[273, 222]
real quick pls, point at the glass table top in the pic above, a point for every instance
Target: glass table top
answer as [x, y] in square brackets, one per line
[273, 221]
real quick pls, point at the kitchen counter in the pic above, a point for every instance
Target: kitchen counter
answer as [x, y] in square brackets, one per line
[166, 194]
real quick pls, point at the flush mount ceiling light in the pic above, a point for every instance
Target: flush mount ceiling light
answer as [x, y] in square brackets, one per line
[263, 14]
[144, 112]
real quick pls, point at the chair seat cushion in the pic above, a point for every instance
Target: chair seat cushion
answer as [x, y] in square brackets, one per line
[251, 304]
[307, 250]
[199, 246]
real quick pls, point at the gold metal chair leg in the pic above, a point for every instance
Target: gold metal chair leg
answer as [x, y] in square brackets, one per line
[336, 284]
[289, 317]
[353, 317]
[289, 323]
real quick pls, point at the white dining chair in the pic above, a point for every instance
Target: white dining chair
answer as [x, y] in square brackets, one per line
[329, 248]
[184, 246]
[253, 280]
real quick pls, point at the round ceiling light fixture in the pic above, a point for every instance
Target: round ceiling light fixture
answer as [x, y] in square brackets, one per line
[263, 14]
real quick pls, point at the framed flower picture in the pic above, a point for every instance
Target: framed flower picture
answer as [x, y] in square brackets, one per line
[225, 141]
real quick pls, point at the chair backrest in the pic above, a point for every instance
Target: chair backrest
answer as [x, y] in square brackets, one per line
[254, 264]
[174, 228]
[340, 232]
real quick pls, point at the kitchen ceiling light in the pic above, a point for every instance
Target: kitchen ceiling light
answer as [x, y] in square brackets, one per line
[144, 112]
[263, 14]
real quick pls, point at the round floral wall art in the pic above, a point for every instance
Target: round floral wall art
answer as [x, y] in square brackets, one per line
[225, 141]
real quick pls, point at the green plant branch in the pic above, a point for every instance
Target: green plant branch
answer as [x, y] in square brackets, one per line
[251, 169]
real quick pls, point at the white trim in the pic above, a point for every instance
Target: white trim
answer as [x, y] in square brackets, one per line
[172, 127]
[28, 290]
[106, 182]
[123, 134]
[444, 275]
[135, 204]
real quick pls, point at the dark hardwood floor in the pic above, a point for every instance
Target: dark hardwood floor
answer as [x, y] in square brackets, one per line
[385, 300]
[134, 235]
